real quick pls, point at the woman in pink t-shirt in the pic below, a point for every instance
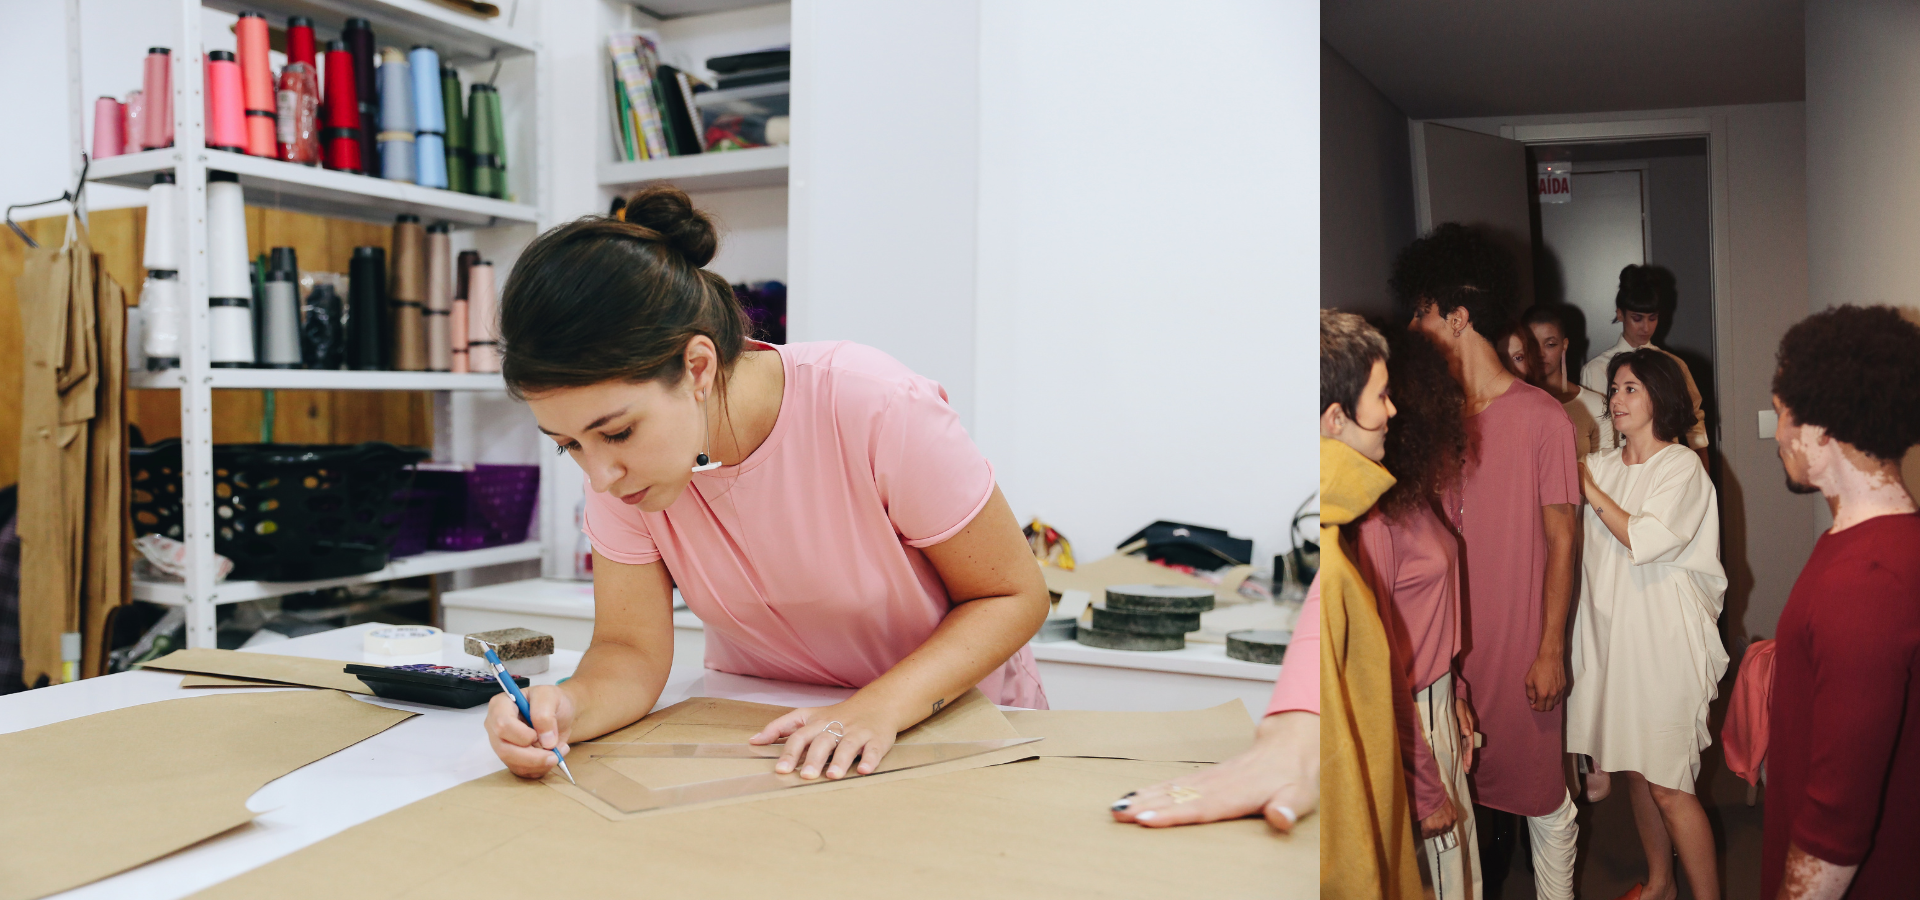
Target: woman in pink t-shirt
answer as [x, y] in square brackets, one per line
[819, 506]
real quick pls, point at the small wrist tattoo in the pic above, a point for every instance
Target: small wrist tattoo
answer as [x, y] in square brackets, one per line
[939, 703]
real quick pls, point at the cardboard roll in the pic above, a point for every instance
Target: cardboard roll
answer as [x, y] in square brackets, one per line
[1120, 640]
[1163, 624]
[1258, 645]
[1159, 598]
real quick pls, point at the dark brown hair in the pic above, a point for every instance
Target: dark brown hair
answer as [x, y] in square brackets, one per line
[1646, 289]
[1666, 390]
[1535, 374]
[1427, 441]
[1348, 349]
[1854, 371]
[608, 298]
[1455, 266]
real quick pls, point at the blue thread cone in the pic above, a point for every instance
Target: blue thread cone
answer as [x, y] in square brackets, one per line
[430, 155]
[429, 111]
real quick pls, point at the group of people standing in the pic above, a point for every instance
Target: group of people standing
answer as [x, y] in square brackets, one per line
[1543, 561]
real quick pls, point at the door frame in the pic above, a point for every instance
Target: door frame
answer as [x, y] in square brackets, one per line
[1714, 129]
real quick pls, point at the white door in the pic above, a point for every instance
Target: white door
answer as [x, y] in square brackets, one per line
[1475, 179]
[1601, 231]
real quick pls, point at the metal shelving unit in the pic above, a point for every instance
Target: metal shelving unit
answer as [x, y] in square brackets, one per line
[463, 41]
[733, 169]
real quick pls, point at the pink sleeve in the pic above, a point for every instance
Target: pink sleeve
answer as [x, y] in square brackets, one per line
[932, 478]
[617, 531]
[1298, 687]
[1554, 461]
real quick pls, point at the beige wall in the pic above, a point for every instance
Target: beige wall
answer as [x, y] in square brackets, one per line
[1863, 191]
[1366, 188]
[1766, 532]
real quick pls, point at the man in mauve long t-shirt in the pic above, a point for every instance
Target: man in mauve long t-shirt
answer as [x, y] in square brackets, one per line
[1515, 511]
[1843, 764]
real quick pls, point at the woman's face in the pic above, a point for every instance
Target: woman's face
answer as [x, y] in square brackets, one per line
[1629, 403]
[634, 441]
[1516, 351]
[1366, 429]
[1637, 327]
[1553, 347]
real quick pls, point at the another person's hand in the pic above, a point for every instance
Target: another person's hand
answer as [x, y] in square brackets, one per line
[1546, 683]
[1279, 777]
[825, 740]
[1440, 822]
[1463, 711]
[528, 751]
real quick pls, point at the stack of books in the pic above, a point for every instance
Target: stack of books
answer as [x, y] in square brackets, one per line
[654, 111]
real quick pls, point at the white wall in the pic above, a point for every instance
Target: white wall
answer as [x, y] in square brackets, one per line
[1149, 263]
[1766, 532]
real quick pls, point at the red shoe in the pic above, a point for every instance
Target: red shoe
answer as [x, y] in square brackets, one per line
[1633, 894]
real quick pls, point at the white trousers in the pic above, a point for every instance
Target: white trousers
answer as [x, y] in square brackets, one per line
[1553, 836]
[1453, 860]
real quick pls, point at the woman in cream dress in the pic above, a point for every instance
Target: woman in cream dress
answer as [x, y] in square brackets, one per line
[1646, 655]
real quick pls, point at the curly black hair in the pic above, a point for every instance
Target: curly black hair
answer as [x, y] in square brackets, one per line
[1647, 289]
[1456, 266]
[1427, 441]
[1855, 371]
[1666, 388]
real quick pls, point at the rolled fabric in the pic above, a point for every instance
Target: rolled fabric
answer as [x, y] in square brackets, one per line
[396, 116]
[488, 156]
[164, 318]
[109, 128]
[483, 343]
[156, 87]
[161, 251]
[280, 328]
[358, 35]
[341, 137]
[439, 298]
[256, 83]
[406, 299]
[300, 45]
[297, 125]
[459, 177]
[366, 327]
[136, 120]
[226, 109]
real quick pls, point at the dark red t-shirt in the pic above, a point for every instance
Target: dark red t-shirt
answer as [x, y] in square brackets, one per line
[1843, 747]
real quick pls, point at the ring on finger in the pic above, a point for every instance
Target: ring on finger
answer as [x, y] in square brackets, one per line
[837, 735]
[1180, 793]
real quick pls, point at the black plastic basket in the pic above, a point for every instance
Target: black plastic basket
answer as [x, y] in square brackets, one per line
[285, 512]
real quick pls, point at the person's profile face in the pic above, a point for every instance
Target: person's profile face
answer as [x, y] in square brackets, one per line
[1629, 403]
[634, 441]
[1516, 351]
[1366, 430]
[1637, 327]
[1427, 320]
[1793, 458]
[1553, 347]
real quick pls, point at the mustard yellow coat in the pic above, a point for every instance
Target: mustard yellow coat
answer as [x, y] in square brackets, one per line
[1366, 836]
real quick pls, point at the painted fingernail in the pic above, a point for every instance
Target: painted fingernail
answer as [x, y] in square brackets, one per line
[1121, 804]
[1293, 818]
[1147, 816]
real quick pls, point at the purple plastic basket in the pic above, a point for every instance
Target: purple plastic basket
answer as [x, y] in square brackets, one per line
[415, 534]
[484, 506]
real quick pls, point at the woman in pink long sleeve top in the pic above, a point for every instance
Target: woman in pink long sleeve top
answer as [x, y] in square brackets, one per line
[819, 506]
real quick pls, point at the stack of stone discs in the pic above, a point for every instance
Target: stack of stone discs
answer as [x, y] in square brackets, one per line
[1146, 617]
[1259, 645]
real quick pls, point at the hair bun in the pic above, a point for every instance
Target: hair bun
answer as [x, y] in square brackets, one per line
[669, 213]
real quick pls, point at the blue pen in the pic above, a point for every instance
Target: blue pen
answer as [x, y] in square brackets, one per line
[520, 700]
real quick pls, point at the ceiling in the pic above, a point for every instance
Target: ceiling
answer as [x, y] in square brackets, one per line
[1518, 57]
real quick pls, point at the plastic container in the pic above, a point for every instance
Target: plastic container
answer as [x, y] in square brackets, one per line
[751, 116]
[481, 505]
[285, 512]
[415, 534]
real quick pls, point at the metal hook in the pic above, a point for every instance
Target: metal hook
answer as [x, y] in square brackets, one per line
[65, 196]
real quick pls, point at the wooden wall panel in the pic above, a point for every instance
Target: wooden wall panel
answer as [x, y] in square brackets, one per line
[306, 417]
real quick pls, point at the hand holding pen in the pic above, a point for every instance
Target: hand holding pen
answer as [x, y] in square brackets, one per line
[529, 730]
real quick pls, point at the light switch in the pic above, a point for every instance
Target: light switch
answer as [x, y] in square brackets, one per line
[1769, 420]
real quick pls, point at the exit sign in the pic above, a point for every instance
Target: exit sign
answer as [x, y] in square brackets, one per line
[1555, 182]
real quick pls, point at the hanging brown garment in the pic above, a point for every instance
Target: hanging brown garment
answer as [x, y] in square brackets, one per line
[72, 427]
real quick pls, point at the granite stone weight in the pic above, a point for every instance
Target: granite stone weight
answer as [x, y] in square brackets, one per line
[1163, 624]
[1154, 598]
[1259, 645]
[1118, 640]
[525, 651]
